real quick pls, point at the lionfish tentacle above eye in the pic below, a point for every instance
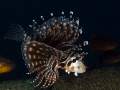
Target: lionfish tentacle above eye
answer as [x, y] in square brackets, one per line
[43, 59]
[50, 46]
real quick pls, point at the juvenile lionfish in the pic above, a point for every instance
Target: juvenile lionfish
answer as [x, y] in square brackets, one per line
[50, 46]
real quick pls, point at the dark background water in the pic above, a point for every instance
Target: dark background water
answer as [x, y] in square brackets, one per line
[95, 16]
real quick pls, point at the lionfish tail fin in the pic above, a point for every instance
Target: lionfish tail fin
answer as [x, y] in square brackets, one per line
[16, 32]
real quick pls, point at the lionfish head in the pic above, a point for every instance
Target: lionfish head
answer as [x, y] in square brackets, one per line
[75, 64]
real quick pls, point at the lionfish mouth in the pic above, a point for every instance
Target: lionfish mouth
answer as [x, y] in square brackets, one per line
[50, 46]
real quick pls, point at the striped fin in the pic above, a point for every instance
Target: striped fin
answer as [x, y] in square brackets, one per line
[58, 32]
[43, 59]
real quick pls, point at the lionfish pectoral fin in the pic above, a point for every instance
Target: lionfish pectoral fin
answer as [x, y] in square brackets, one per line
[15, 32]
[41, 58]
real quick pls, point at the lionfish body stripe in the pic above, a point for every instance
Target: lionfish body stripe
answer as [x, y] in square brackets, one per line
[50, 46]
